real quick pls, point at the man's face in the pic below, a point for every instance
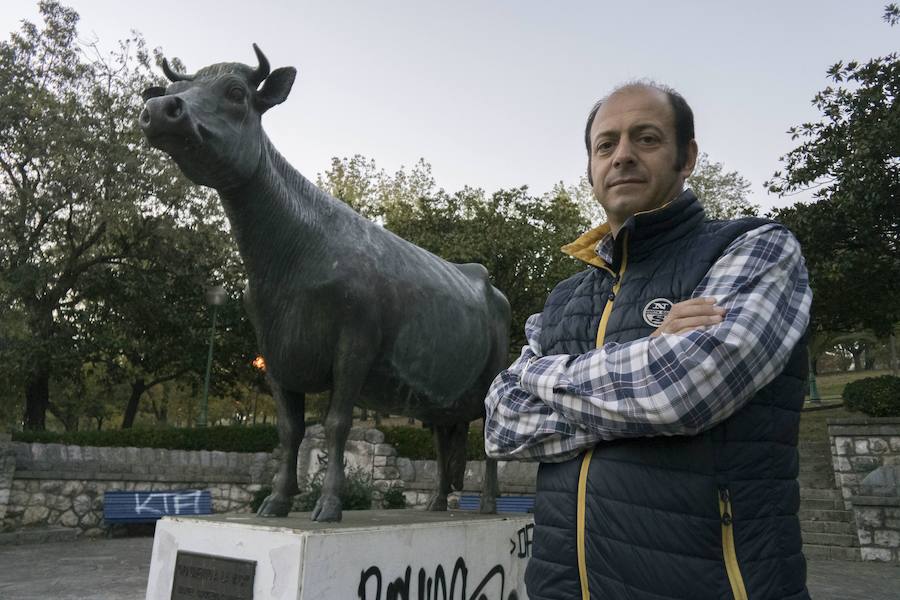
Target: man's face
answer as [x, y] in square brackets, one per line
[633, 154]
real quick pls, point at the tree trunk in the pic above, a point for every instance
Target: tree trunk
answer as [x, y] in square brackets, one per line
[137, 390]
[893, 344]
[857, 352]
[37, 396]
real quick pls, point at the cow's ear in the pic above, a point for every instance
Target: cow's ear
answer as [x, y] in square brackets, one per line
[153, 92]
[276, 88]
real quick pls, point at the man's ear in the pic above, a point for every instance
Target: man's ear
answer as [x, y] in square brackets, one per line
[276, 88]
[690, 159]
[153, 92]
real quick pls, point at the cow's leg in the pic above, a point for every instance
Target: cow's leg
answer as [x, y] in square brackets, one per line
[291, 407]
[498, 360]
[450, 447]
[490, 487]
[352, 363]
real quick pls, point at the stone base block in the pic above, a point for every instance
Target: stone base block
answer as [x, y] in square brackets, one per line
[370, 555]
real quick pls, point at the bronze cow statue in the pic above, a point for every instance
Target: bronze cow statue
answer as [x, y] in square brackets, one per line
[338, 302]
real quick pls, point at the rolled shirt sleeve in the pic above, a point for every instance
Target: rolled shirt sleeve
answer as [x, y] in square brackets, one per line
[550, 408]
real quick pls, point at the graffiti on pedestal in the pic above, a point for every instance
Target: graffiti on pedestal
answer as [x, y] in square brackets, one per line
[437, 585]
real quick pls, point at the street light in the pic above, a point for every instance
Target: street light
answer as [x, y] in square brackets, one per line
[215, 297]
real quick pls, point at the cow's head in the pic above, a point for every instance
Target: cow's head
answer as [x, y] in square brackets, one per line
[209, 122]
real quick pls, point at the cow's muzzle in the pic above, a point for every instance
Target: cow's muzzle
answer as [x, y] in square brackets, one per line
[166, 118]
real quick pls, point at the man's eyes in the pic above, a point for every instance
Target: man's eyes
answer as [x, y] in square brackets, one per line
[648, 139]
[605, 146]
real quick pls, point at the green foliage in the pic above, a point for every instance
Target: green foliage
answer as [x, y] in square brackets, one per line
[416, 443]
[104, 247]
[257, 438]
[723, 193]
[874, 396]
[851, 234]
[356, 493]
[259, 496]
[393, 498]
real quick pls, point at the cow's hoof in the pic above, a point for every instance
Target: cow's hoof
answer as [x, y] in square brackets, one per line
[488, 506]
[275, 505]
[438, 503]
[328, 508]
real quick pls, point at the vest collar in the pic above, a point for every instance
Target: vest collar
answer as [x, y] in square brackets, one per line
[645, 232]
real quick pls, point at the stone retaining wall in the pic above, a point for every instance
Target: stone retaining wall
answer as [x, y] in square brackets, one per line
[62, 485]
[365, 453]
[859, 446]
[7, 468]
[56, 484]
[515, 478]
[878, 527]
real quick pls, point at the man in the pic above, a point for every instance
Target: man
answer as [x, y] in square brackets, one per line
[661, 387]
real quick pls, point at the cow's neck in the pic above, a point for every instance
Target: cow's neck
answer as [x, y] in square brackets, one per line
[279, 218]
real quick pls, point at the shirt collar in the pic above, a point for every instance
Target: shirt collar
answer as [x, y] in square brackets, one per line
[597, 246]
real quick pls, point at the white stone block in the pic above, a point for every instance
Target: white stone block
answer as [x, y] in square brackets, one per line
[69, 519]
[35, 515]
[298, 559]
[887, 538]
[879, 554]
[878, 445]
[861, 446]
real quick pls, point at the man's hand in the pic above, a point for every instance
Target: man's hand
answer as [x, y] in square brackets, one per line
[689, 315]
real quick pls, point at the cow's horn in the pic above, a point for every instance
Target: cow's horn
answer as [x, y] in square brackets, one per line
[174, 75]
[262, 71]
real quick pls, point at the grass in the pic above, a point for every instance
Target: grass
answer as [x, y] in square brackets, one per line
[813, 424]
[831, 385]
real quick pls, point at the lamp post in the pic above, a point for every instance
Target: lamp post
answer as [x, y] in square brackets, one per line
[215, 297]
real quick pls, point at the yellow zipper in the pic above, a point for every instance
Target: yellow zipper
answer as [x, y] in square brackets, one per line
[731, 563]
[617, 283]
[586, 461]
[582, 494]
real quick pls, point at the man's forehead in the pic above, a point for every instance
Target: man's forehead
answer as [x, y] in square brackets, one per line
[632, 106]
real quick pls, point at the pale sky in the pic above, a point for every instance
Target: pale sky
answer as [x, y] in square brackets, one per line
[494, 94]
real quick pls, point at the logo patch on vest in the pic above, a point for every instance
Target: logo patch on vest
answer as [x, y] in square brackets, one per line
[656, 310]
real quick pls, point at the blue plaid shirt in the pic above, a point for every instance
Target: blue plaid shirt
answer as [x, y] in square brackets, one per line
[551, 408]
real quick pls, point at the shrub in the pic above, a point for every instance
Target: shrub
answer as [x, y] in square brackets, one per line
[256, 438]
[874, 396]
[414, 443]
[393, 497]
[356, 494]
[417, 443]
[258, 497]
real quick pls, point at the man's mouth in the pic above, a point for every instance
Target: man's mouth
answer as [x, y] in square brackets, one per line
[624, 181]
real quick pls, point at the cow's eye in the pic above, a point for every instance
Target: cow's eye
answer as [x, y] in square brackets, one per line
[236, 94]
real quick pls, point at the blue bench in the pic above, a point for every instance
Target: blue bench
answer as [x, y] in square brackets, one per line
[506, 504]
[150, 506]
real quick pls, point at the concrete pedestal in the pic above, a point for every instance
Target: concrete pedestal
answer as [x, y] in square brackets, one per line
[370, 555]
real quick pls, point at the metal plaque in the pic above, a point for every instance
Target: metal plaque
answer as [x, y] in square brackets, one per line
[207, 577]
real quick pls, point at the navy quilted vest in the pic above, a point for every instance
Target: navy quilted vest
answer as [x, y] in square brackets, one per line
[689, 518]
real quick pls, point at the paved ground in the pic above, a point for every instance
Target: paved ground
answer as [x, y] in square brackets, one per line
[117, 570]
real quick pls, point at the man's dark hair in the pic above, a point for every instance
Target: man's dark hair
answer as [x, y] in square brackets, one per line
[684, 121]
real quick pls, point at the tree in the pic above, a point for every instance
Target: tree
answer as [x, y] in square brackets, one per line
[145, 318]
[850, 234]
[723, 193]
[79, 188]
[582, 194]
[516, 236]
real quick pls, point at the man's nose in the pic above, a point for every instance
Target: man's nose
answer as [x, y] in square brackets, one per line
[624, 154]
